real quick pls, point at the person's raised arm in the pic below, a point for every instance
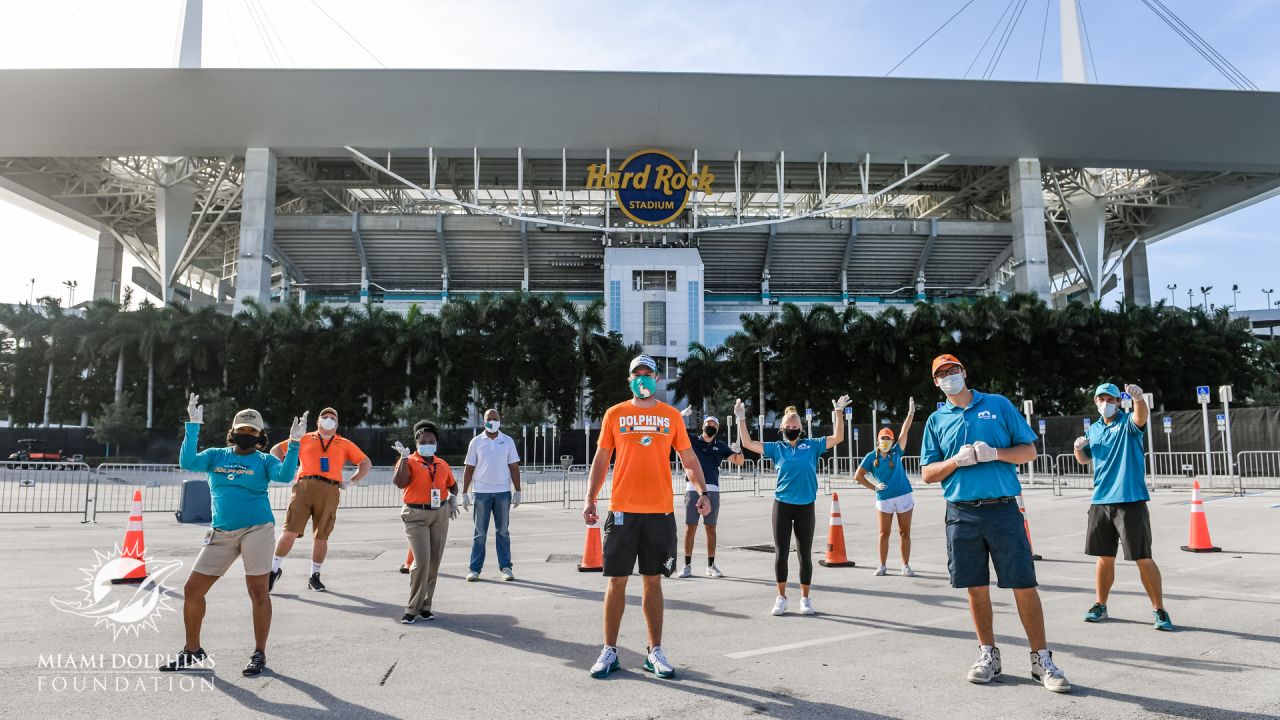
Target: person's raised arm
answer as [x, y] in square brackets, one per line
[837, 421]
[744, 435]
[400, 475]
[1141, 413]
[286, 469]
[188, 457]
[906, 424]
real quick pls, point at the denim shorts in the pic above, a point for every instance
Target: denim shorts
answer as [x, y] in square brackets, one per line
[990, 534]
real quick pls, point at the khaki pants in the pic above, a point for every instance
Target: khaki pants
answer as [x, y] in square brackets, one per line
[426, 531]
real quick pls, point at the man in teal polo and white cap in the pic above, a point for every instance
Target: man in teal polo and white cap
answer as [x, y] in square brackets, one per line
[1119, 510]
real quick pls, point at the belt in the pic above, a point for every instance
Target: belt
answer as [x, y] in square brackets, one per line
[320, 477]
[985, 501]
[421, 506]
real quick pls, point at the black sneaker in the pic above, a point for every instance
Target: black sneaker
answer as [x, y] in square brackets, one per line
[315, 584]
[257, 663]
[408, 619]
[185, 659]
[404, 569]
[428, 615]
[273, 577]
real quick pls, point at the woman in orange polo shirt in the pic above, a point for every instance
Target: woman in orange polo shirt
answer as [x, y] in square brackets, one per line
[430, 502]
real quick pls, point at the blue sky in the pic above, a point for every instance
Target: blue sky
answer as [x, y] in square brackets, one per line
[1130, 46]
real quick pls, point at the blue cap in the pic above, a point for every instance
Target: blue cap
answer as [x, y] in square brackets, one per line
[1107, 389]
[644, 360]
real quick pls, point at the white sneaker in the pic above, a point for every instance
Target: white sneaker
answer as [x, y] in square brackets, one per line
[473, 576]
[779, 606]
[714, 572]
[806, 606]
[686, 572]
[882, 570]
[987, 667]
[507, 575]
[656, 663]
[1045, 672]
[606, 663]
[907, 571]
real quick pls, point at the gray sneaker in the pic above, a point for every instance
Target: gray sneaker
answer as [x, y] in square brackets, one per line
[1045, 672]
[987, 667]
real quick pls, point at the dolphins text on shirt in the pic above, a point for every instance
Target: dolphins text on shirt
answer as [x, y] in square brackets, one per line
[644, 424]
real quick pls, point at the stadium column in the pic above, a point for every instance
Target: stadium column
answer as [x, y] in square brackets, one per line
[1030, 249]
[1088, 217]
[174, 204]
[1137, 282]
[108, 275]
[257, 222]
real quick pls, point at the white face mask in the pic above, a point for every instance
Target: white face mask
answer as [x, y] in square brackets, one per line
[1106, 409]
[952, 384]
[426, 450]
[492, 425]
[327, 424]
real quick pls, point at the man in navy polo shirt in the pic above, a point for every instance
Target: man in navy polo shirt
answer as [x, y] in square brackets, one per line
[711, 452]
[972, 446]
[1119, 509]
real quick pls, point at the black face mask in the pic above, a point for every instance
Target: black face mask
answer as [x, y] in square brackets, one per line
[710, 430]
[244, 441]
[791, 433]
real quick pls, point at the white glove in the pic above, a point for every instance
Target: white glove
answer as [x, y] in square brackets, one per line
[515, 498]
[401, 449]
[984, 452]
[466, 500]
[299, 427]
[911, 406]
[195, 412]
[840, 404]
[736, 447]
[1082, 442]
[453, 507]
[880, 487]
[344, 484]
[1134, 391]
[687, 411]
[740, 409]
[965, 457]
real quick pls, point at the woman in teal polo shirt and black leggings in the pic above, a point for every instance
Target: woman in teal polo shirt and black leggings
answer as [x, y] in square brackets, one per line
[797, 489]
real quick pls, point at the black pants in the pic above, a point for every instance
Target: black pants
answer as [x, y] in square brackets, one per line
[788, 518]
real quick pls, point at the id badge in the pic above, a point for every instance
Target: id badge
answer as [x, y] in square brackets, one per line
[324, 464]
[208, 536]
[435, 497]
[617, 518]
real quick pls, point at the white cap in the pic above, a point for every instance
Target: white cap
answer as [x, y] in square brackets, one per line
[644, 360]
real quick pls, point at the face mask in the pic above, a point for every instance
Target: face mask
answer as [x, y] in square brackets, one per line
[426, 450]
[952, 384]
[791, 433]
[885, 445]
[1107, 409]
[643, 386]
[492, 425]
[327, 424]
[244, 441]
[710, 430]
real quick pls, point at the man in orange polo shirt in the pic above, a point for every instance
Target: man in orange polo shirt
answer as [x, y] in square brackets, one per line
[430, 502]
[641, 523]
[321, 458]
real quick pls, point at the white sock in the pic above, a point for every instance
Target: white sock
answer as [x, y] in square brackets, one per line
[276, 560]
[315, 567]
[987, 648]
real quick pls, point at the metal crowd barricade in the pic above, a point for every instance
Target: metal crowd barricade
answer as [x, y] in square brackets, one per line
[46, 487]
[1258, 469]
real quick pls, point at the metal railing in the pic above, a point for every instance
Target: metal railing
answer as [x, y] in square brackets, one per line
[45, 487]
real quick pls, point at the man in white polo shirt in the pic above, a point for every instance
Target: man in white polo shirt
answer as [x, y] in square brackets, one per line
[493, 463]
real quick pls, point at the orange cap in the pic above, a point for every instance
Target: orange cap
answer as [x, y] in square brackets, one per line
[885, 432]
[943, 360]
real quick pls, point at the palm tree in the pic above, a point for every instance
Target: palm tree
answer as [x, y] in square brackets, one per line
[701, 375]
[587, 322]
[756, 339]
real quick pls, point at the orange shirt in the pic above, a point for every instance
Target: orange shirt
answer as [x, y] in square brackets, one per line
[312, 448]
[642, 439]
[423, 477]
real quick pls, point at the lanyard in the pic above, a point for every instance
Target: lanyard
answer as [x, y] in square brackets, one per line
[324, 446]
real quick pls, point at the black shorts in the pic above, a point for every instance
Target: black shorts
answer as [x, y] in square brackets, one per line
[1109, 525]
[651, 537]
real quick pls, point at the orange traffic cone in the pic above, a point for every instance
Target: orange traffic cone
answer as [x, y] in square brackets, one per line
[592, 551]
[408, 562]
[1199, 541]
[134, 547]
[835, 539]
[1027, 528]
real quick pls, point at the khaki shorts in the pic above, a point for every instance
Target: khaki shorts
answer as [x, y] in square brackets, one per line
[255, 544]
[315, 500]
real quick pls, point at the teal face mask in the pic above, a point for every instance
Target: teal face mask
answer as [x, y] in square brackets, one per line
[643, 386]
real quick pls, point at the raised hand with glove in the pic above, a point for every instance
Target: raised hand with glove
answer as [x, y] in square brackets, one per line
[401, 450]
[739, 410]
[298, 428]
[195, 411]
[838, 405]
[984, 452]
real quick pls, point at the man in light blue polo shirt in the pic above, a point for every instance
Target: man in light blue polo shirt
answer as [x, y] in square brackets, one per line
[1119, 509]
[972, 446]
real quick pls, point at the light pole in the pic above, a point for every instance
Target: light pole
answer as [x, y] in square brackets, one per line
[1271, 330]
[1190, 299]
[1235, 297]
[1204, 292]
[1173, 299]
[71, 291]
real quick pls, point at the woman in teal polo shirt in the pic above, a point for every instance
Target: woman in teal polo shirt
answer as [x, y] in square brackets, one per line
[796, 491]
[893, 489]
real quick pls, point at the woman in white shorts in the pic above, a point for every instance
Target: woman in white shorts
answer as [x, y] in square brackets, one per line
[893, 490]
[243, 525]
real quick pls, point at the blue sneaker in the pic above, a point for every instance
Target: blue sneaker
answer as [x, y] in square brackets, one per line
[1097, 613]
[656, 663]
[1162, 620]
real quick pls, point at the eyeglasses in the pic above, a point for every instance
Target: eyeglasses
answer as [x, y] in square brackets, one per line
[948, 371]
